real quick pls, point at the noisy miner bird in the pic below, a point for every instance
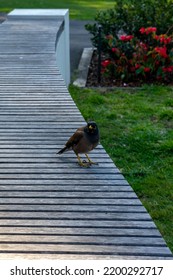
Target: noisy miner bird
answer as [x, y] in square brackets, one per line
[84, 140]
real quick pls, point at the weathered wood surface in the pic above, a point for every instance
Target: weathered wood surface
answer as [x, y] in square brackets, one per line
[49, 206]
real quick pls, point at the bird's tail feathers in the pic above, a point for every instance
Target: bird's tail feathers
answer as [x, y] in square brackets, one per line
[62, 151]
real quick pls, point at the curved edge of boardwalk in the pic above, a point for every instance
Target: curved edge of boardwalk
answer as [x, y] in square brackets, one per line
[49, 206]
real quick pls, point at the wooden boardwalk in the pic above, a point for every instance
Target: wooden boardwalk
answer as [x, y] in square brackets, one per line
[49, 206]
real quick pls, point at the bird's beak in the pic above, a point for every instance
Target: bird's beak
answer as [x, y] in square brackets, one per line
[90, 127]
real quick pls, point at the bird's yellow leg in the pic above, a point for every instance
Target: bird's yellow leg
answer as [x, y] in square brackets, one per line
[82, 163]
[90, 161]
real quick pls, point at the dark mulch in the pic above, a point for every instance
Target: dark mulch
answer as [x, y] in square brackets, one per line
[92, 79]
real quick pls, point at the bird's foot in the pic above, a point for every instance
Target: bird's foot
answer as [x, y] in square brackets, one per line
[84, 163]
[90, 162]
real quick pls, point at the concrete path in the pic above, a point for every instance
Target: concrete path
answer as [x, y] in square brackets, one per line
[79, 39]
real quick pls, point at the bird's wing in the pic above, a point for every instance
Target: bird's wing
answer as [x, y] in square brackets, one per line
[75, 138]
[80, 129]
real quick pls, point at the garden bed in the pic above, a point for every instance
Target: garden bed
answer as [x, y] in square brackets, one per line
[92, 77]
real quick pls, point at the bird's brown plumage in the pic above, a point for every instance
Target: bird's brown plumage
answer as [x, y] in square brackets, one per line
[84, 140]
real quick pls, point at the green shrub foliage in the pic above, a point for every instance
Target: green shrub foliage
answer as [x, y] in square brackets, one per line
[128, 16]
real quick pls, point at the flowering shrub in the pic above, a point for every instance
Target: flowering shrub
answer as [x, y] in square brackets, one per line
[130, 59]
[129, 16]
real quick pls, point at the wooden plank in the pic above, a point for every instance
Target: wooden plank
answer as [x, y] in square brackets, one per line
[64, 162]
[80, 231]
[116, 208]
[50, 154]
[86, 249]
[71, 201]
[77, 223]
[84, 256]
[40, 117]
[51, 170]
[64, 194]
[60, 187]
[53, 176]
[59, 167]
[86, 240]
[58, 216]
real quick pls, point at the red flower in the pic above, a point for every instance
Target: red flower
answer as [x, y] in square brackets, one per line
[168, 69]
[130, 37]
[142, 30]
[123, 38]
[126, 38]
[163, 39]
[137, 66]
[157, 37]
[147, 30]
[143, 46]
[167, 40]
[145, 57]
[152, 29]
[161, 51]
[147, 69]
[115, 50]
[106, 62]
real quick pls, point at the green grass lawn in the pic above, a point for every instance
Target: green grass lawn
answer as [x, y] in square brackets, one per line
[83, 10]
[137, 132]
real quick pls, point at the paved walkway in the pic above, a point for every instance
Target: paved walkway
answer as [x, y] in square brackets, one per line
[79, 39]
[49, 206]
